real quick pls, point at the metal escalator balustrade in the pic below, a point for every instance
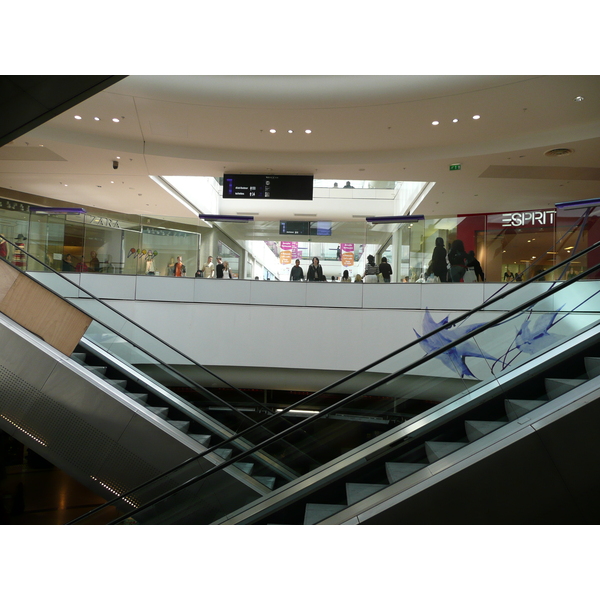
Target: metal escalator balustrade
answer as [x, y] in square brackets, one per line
[423, 390]
[106, 342]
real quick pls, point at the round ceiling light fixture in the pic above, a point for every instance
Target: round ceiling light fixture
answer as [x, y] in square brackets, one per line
[578, 99]
[477, 117]
[272, 130]
[308, 131]
[558, 152]
[435, 122]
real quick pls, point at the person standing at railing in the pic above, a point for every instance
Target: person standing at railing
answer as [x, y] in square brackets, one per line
[438, 266]
[179, 270]
[386, 270]
[457, 258]
[208, 269]
[219, 267]
[67, 263]
[371, 270]
[315, 271]
[297, 274]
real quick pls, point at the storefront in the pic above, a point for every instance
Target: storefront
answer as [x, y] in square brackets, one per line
[71, 239]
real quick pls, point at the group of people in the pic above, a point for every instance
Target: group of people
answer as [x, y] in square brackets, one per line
[211, 271]
[455, 265]
[92, 265]
[371, 274]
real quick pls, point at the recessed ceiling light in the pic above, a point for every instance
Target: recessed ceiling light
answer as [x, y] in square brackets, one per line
[578, 98]
[476, 117]
[455, 120]
[78, 117]
[308, 131]
[96, 118]
[435, 122]
[273, 130]
[290, 131]
[115, 120]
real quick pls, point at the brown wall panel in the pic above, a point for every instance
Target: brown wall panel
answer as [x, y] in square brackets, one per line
[40, 311]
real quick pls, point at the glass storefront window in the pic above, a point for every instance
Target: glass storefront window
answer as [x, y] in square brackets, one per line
[510, 246]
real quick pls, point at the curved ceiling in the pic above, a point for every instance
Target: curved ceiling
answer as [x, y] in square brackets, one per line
[362, 127]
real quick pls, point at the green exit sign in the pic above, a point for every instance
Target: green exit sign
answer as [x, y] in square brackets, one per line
[455, 167]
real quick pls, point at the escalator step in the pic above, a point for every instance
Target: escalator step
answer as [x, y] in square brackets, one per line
[355, 492]
[317, 512]
[479, 429]
[224, 453]
[558, 387]
[592, 366]
[79, 356]
[517, 408]
[159, 411]
[181, 425]
[201, 439]
[97, 370]
[437, 450]
[267, 481]
[118, 383]
[140, 398]
[397, 471]
[245, 467]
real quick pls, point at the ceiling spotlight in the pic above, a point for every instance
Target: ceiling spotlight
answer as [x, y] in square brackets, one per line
[578, 98]
[308, 131]
[455, 120]
[290, 131]
[273, 130]
[476, 117]
[115, 120]
[96, 118]
[435, 122]
[78, 117]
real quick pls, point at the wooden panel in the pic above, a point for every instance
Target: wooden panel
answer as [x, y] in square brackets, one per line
[7, 277]
[41, 312]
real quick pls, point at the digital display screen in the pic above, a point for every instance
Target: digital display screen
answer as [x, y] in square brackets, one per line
[277, 187]
[304, 227]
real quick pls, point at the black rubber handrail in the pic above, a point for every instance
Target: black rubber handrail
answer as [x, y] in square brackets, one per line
[198, 388]
[458, 319]
[326, 411]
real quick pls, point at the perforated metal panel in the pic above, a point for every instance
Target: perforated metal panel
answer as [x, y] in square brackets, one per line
[55, 432]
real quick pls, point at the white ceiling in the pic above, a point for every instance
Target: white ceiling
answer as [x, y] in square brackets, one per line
[363, 128]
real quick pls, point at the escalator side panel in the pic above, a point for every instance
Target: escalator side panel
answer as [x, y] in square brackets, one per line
[544, 470]
[80, 424]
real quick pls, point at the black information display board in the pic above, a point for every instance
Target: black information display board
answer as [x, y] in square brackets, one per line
[278, 187]
[304, 227]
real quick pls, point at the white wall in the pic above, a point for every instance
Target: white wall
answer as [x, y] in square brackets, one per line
[289, 325]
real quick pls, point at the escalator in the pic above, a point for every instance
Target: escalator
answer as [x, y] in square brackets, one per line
[91, 412]
[515, 363]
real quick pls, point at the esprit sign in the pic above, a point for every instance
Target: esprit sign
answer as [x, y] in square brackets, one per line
[530, 217]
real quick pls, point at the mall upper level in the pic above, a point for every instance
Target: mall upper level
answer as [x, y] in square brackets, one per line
[509, 245]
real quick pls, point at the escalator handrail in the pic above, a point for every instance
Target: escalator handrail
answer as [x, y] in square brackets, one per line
[137, 346]
[326, 411]
[485, 304]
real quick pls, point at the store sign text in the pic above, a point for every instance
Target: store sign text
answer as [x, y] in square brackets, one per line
[531, 217]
